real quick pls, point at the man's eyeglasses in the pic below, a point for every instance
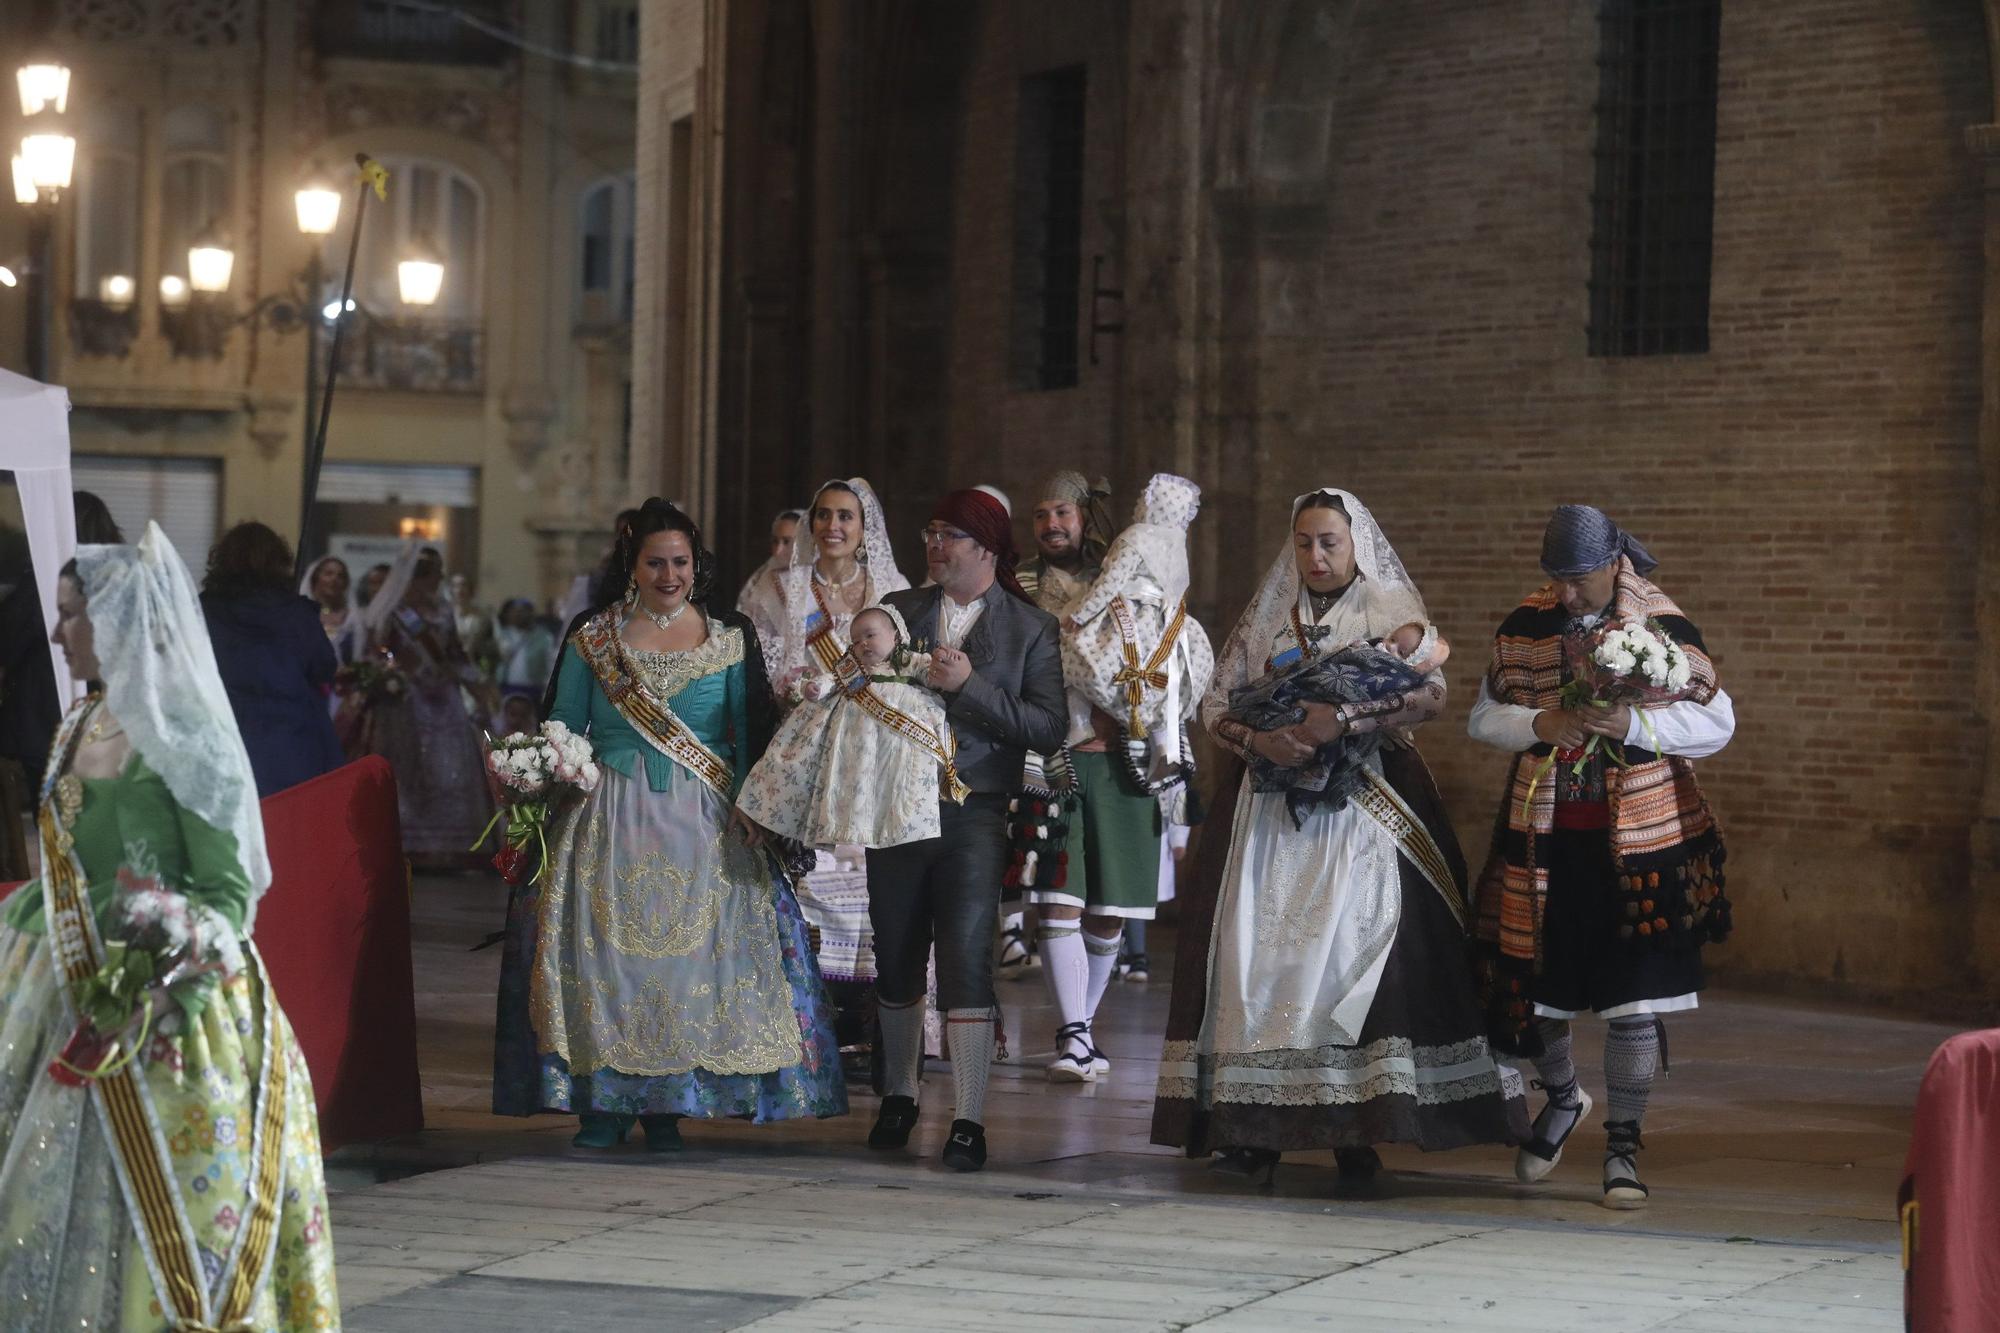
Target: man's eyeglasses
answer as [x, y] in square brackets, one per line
[943, 536]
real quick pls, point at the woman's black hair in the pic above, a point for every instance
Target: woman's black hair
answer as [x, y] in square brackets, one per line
[94, 524]
[1326, 500]
[653, 517]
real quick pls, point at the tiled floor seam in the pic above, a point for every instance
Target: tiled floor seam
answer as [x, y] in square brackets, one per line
[1709, 1303]
[1338, 1272]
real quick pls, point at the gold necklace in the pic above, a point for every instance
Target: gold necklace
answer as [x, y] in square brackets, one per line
[97, 732]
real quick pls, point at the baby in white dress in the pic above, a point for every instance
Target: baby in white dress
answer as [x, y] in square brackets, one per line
[1146, 569]
[864, 759]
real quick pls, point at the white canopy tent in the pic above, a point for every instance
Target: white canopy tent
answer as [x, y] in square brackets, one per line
[34, 446]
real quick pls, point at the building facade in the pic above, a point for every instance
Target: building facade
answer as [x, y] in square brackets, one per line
[493, 421]
[1727, 271]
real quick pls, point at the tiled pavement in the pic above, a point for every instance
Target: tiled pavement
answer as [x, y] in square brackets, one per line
[1775, 1146]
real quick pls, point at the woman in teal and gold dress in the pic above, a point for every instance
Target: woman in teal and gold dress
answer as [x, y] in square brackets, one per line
[159, 1150]
[661, 969]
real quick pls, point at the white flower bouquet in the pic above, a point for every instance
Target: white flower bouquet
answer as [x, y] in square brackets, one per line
[531, 774]
[1636, 663]
[161, 952]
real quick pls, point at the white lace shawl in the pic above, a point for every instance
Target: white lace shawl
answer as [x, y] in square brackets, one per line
[1392, 601]
[161, 683]
[795, 583]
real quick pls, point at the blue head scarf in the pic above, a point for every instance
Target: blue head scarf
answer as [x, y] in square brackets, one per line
[1582, 539]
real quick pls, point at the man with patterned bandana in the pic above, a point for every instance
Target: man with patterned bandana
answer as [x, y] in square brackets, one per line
[1606, 877]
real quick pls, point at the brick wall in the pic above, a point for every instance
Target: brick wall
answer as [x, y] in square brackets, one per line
[1405, 315]
[1810, 485]
[1014, 433]
[1390, 261]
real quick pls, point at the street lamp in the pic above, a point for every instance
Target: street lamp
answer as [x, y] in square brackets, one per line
[50, 160]
[420, 277]
[41, 172]
[44, 86]
[318, 205]
[210, 262]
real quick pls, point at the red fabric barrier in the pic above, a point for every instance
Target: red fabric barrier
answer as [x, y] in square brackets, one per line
[335, 934]
[1950, 1199]
[335, 931]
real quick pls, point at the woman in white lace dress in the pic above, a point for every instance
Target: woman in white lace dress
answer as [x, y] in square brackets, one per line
[841, 564]
[1322, 996]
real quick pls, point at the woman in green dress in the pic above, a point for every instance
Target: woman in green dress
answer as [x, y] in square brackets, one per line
[662, 969]
[159, 1150]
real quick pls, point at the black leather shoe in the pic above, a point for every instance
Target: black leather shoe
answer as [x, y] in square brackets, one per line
[1357, 1164]
[965, 1150]
[893, 1122]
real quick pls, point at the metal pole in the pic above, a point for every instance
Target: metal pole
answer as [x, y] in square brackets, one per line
[315, 293]
[41, 306]
[317, 451]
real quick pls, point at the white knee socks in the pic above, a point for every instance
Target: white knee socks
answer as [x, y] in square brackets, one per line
[1103, 958]
[1068, 969]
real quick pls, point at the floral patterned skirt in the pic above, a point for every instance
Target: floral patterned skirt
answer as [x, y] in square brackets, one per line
[668, 958]
[79, 1264]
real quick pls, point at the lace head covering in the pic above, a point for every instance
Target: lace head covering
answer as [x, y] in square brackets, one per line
[161, 683]
[895, 618]
[364, 623]
[312, 572]
[876, 552]
[1169, 501]
[1380, 577]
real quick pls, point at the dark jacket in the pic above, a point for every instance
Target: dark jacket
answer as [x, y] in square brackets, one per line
[277, 667]
[29, 704]
[1014, 701]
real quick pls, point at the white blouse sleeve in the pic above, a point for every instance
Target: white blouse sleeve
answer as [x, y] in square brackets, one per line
[1687, 729]
[1503, 726]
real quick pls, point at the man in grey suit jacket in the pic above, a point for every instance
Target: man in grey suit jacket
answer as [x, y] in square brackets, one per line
[997, 660]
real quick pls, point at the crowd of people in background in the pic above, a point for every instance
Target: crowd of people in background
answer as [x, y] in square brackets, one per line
[996, 757]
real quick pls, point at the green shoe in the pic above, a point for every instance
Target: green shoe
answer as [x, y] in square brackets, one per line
[601, 1131]
[663, 1133]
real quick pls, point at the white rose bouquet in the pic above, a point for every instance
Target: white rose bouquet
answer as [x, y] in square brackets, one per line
[1636, 663]
[531, 774]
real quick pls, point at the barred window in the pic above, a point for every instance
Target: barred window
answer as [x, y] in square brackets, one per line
[1654, 204]
[1048, 229]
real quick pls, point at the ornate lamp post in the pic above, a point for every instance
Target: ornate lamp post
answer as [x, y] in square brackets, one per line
[41, 172]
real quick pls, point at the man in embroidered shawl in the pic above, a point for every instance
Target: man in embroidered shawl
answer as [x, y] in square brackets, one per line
[1605, 877]
[997, 660]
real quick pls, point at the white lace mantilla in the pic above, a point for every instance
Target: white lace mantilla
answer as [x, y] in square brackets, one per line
[1338, 1075]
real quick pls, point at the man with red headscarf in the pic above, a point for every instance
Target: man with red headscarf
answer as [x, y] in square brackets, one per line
[997, 659]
